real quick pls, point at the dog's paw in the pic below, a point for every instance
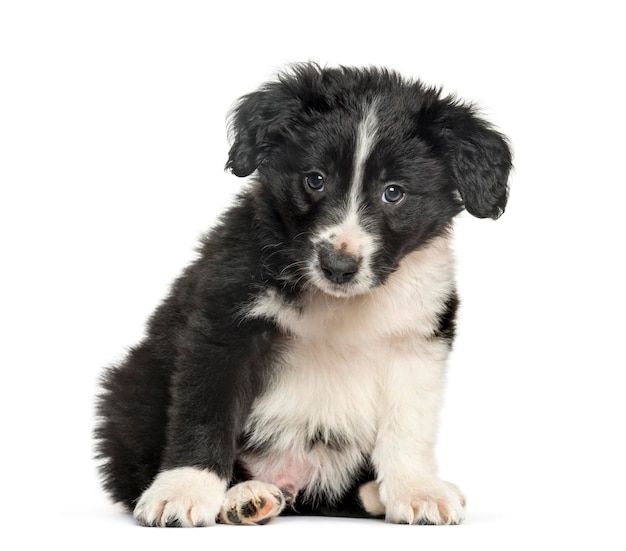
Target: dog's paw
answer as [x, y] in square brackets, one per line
[431, 501]
[185, 496]
[251, 502]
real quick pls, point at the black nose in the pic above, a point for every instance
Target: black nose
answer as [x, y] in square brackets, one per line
[336, 266]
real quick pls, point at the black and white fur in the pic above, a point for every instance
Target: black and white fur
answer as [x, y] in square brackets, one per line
[298, 364]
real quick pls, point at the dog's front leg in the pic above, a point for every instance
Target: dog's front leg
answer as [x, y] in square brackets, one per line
[217, 378]
[404, 454]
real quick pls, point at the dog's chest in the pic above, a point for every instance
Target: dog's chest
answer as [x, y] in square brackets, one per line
[324, 390]
[316, 423]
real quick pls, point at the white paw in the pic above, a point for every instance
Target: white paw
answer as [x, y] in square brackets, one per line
[431, 501]
[185, 496]
[252, 502]
[369, 495]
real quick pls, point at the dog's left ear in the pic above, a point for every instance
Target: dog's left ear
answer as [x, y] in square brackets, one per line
[478, 157]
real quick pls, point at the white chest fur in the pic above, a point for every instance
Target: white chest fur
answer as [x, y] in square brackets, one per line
[347, 362]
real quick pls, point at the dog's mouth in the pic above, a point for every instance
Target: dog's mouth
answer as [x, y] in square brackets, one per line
[341, 258]
[340, 290]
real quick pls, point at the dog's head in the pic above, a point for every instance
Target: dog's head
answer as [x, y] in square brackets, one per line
[360, 167]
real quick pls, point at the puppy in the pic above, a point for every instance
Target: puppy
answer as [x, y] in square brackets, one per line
[298, 364]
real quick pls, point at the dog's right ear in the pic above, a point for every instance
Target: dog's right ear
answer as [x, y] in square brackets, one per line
[255, 127]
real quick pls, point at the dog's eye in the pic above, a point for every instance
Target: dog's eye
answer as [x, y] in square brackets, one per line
[315, 181]
[393, 195]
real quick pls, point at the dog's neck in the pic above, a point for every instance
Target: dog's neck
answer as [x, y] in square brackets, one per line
[409, 301]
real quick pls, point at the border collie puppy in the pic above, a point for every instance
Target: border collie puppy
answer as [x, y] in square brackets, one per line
[298, 364]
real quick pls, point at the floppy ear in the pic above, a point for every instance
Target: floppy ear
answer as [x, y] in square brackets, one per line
[478, 157]
[255, 126]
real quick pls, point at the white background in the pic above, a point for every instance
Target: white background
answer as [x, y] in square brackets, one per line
[112, 147]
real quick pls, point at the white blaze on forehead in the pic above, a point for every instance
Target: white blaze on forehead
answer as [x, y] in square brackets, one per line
[365, 141]
[348, 233]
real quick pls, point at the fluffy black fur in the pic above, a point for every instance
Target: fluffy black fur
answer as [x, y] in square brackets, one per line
[181, 396]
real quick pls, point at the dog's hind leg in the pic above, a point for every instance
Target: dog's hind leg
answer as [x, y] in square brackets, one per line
[130, 431]
[252, 502]
[369, 497]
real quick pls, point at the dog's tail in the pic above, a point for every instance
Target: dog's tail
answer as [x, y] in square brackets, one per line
[131, 420]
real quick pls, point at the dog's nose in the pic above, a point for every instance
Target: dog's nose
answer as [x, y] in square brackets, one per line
[336, 266]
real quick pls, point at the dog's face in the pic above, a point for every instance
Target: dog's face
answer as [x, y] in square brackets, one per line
[359, 168]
